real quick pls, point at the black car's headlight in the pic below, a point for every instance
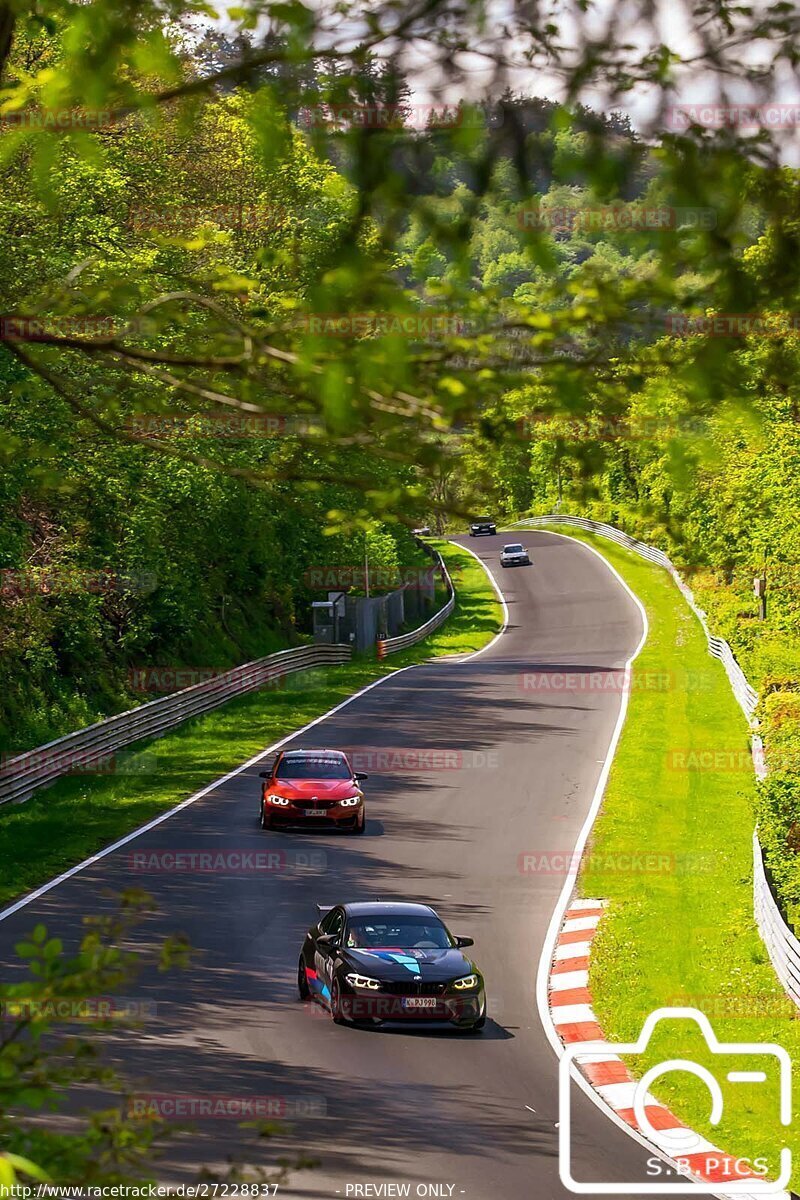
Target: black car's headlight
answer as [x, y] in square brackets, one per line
[363, 981]
[350, 802]
[281, 800]
[466, 983]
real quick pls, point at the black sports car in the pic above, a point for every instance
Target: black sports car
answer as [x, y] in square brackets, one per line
[482, 525]
[376, 962]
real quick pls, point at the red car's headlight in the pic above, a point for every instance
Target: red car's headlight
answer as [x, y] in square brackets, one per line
[350, 802]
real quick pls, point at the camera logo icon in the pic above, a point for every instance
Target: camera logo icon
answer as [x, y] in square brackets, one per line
[684, 1155]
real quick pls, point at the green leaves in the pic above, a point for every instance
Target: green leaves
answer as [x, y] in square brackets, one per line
[15, 1165]
[50, 1024]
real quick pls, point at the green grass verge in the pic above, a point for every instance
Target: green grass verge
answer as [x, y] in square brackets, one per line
[680, 929]
[79, 815]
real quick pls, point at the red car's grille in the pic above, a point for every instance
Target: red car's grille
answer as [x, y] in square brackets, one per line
[319, 805]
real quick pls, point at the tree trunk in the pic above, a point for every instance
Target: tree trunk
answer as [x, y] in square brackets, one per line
[6, 35]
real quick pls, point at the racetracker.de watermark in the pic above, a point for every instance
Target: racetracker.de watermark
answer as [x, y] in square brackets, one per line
[39, 329]
[59, 118]
[719, 759]
[342, 117]
[222, 860]
[388, 760]
[77, 1008]
[633, 862]
[419, 326]
[752, 117]
[725, 325]
[15, 584]
[548, 682]
[597, 428]
[616, 218]
[724, 1006]
[396, 1008]
[155, 680]
[226, 426]
[167, 1106]
[185, 217]
[175, 679]
[79, 762]
[322, 578]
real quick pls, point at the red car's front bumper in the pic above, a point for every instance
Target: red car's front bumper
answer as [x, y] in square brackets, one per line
[303, 814]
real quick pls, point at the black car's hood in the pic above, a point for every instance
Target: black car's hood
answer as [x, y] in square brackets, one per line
[407, 965]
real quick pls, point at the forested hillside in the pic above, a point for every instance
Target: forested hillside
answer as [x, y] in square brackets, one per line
[112, 554]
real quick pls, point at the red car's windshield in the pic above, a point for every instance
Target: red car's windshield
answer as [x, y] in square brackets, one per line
[313, 767]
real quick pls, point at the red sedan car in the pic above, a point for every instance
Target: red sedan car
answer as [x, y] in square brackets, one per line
[312, 789]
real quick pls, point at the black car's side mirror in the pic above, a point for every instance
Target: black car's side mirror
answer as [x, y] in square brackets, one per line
[328, 939]
[465, 941]
[358, 777]
[264, 775]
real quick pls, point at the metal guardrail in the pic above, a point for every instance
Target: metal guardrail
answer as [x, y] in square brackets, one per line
[88, 749]
[392, 645]
[782, 945]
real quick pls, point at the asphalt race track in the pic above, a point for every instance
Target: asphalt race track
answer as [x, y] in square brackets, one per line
[475, 1114]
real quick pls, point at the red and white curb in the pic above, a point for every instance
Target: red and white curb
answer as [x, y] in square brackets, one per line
[573, 1016]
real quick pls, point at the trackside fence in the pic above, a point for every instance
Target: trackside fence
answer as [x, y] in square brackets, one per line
[392, 645]
[782, 945]
[88, 748]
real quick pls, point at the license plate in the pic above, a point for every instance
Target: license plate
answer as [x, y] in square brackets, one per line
[419, 1002]
[312, 812]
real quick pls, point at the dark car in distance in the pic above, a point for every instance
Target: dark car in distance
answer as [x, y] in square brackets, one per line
[378, 962]
[482, 525]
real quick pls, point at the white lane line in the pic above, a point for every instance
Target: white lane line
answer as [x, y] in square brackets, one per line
[165, 816]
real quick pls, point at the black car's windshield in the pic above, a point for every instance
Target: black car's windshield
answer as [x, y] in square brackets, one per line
[398, 933]
[313, 767]
[483, 520]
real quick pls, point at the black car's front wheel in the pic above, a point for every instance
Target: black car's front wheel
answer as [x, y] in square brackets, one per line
[336, 1004]
[302, 981]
